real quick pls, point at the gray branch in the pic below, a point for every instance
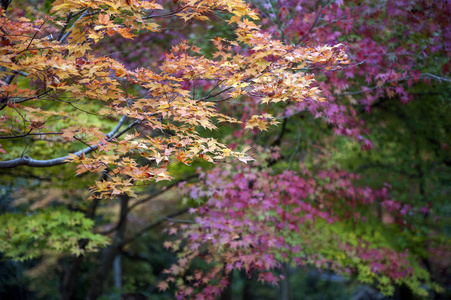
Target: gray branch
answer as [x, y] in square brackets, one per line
[63, 36]
[28, 161]
[153, 225]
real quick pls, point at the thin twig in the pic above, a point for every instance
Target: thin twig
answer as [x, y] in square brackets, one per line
[313, 24]
[29, 133]
[166, 15]
[153, 225]
[161, 191]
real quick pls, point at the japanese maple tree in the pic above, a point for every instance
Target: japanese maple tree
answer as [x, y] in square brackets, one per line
[55, 89]
[62, 67]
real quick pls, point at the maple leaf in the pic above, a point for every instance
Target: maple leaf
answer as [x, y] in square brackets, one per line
[163, 286]
[125, 32]
[104, 19]
[244, 158]
[261, 122]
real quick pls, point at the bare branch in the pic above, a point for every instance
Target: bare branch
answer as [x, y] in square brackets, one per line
[68, 18]
[153, 225]
[315, 22]
[180, 221]
[28, 161]
[425, 75]
[28, 134]
[439, 78]
[166, 15]
[161, 191]
[63, 37]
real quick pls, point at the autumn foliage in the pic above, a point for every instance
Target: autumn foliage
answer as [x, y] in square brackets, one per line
[63, 68]
[66, 100]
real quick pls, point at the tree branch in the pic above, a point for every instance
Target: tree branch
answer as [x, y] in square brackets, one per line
[28, 134]
[5, 4]
[166, 15]
[28, 161]
[68, 18]
[161, 191]
[439, 78]
[315, 22]
[153, 225]
[63, 36]
[281, 134]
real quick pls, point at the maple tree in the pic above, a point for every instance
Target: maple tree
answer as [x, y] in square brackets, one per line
[48, 72]
[66, 70]
[258, 220]
[135, 125]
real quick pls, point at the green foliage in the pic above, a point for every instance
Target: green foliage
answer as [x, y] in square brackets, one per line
[57, 230]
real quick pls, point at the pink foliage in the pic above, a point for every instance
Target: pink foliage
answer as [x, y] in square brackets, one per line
[388, 42]
[248, 221]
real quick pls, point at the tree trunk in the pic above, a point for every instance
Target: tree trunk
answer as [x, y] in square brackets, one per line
[5, 4]
[70, 276]
[118, 273]
[70, 279]
[110, 254]
[226, 294]
[247, 290]
[285, 287]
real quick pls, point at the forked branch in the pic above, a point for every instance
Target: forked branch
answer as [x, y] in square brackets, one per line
[28, 161]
